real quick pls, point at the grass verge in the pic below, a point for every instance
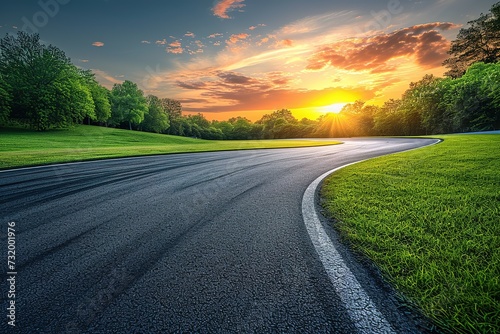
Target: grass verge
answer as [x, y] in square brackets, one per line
[430, 220]
[19, 147]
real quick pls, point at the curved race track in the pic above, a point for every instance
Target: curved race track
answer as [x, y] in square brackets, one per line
[207, 242]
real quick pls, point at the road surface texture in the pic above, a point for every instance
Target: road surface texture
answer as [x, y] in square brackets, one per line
[188, 243]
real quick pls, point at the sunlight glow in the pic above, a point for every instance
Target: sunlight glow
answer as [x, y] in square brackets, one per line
[333, 108]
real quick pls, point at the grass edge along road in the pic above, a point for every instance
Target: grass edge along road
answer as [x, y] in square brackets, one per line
[21, 148]
[429, 219]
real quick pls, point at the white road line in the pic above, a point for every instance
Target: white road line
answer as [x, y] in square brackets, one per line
[363, 312]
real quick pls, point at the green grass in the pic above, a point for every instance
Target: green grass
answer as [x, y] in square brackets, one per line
[430, 220]
[19, 147]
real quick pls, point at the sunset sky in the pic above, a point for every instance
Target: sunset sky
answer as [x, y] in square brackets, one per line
[249, 57]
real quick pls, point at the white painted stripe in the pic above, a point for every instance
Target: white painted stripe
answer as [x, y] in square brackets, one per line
[363, 312]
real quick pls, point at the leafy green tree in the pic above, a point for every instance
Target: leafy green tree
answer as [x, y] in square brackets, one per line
[173, 108]
[226, 127]
[472, 101]
[156, 119]
[420, 107]
[100, 96]
[275, 124]
[241, 129]
[387, 120]
[128, 104]
[480, 42]
[69, 99]
[45, 88]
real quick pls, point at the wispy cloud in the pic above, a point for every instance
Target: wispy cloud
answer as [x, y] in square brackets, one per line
[107, 79]
[190, 34]
[257, 26]
[223, 7]
[215, 35]
[98, 44]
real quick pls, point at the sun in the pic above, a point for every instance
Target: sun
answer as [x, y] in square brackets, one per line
[333, 108]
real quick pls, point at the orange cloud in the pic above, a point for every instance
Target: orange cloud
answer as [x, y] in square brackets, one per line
[175, 48]
[236, 38]
[285, 43]
[98, 44]
[222, 8]
[423, 42]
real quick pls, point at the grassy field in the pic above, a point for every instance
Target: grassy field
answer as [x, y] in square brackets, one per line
[20, 147]
[430, 220]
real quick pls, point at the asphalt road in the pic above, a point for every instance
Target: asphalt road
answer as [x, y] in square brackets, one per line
[207, 242]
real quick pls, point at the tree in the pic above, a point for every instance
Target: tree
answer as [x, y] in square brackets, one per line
[275, 124]
[420, 101]
[100, 96]
[45, 87]
[242, 128]
[156, 119]
[480, 42]
[172, 107]
[387, 120]
[225, 127]
[69, 99]
[472, 101]
[128, 104]
[433, 116]
[358, 119]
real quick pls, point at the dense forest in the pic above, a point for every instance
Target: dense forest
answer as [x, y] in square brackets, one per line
[42, 89]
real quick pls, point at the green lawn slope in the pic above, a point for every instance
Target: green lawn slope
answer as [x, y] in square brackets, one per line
[20, 147]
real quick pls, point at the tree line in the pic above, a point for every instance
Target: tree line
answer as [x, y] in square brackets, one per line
[42, 89]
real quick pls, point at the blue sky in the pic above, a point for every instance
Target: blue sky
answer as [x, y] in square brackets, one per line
[251, 56]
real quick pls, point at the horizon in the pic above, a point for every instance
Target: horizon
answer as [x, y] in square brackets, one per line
[247, 58]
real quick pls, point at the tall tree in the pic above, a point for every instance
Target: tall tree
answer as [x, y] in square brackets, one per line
[100, 96]
[387, 120]
[472, 102]
[128, 104]
[172, 107]
[480, 42]
[156, 119]
[44, 85]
